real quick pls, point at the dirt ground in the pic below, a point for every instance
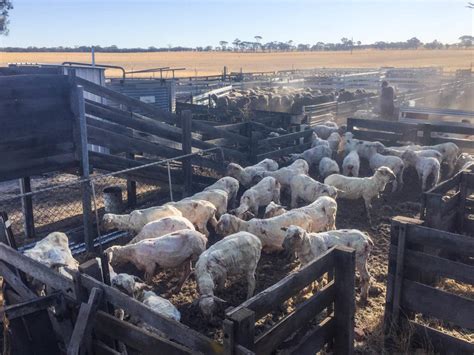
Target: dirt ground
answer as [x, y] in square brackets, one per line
[274, 267]
[211, 63]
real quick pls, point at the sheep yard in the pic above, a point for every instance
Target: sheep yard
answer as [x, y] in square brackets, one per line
[152, 156]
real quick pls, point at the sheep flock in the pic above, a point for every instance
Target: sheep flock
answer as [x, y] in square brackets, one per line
[287, 210]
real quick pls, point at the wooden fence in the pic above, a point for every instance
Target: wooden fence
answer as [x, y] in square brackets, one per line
[398, 133]
[407, 295]
[448, 207]
[336, 326]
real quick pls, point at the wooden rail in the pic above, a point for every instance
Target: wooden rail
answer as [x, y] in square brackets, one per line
[240, 321]
[407, 293]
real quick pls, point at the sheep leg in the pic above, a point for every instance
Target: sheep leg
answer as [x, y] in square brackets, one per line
[365, 279]
[423, 182]
[150, 272]
[367, 209]
[394, 185]
[294, 200]
[203, 228]
[184, 277]
[251, 284]
[276, 196]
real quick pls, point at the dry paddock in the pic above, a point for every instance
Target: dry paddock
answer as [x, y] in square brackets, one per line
[212, 63]
[272, 268]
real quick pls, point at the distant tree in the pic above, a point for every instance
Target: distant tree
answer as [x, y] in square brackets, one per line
[359, 43]
[236, 43]
[470, 5]
[5, 7]
[414, 43]
[257, 42]
[223, 44]
[466, 40]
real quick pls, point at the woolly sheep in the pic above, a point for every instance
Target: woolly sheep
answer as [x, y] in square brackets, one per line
[316, 141]
[177, 249]
[235, 255]
[309, 246]
[161, 227]
[309, 190]
[246, 175]
[198, 212]
[137, 219]
[351, 164]
[316, 217]
[424, 167]
[273, 210]
[363, 148]
[266, 191]
[367, 187]
[160, 305]
[324, 131]
[327, 166]
[334, 140]
[229, 185]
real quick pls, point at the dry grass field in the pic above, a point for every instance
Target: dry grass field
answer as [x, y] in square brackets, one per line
[208, 63]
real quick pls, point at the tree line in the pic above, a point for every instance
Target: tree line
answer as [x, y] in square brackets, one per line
[256, 46]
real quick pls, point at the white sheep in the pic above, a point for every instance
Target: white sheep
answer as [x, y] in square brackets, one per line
[327, 166]
[351, 164]
[324, 131]
[377, 160]
[218, 198]
[198, 212]
[284, 175]
[53, 251]
[137, 219]
[161, 227]
[313, 155]
[424, 167]
[449, 151]
[316, 141]
[266, 191]
[160, 305]
[368, 187]
[177, 249]
[309, 246]
[316, 217]
[309, 190]
[273, 210]
[334, 140]
[235, 255]
[363, 148]
[229, 185]
[246, 175]
[428, 153]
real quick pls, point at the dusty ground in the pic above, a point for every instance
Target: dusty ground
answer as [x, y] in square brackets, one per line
[209, 63]
[272, 268]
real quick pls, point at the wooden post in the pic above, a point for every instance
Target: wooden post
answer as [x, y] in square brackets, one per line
[344, 303]
[131, 187]
[229, 341]
[186, 122]
[426, 140]
[82, 155]
[397, 287]
[461, 212]
[244, 328]
[27, 206]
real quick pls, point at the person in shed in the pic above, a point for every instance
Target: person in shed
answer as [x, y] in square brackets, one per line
[387, 106]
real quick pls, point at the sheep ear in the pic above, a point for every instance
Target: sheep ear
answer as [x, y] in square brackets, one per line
[284, 229]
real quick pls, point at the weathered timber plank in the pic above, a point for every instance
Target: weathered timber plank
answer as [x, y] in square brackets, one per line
[28, 307]
[287, 137]
[304, 312]
[315, 340]
[439, 304]
[284, 151]
[273, 296]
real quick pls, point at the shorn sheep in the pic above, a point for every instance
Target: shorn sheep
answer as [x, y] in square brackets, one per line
[198, 212]
[229, 185]
[284, 175]
[377, 160]
[177, 249]
[266, 191]
[161, 227]
[309, 246]
[316, 217]
[313, 155]
[368, 187]
[217, 197]
[273, 210]
[327, 166]
[136, 220]
[53, 251]
[351, 164]
[246, 175]
[305, 188]
[236, 254]
[424, 166]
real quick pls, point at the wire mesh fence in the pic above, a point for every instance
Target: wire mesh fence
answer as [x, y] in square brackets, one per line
[56, 199]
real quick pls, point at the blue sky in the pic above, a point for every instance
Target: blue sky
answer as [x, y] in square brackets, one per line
[144, 23]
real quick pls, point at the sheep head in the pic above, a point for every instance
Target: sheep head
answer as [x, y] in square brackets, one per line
[409, 156]
[227, 224]
[234, 170]
[328, 206]
[385, 173]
